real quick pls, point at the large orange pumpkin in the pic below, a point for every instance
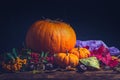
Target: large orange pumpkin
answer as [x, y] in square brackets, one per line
[50, 35]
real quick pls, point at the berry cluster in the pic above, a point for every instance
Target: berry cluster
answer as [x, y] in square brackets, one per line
[34, 58]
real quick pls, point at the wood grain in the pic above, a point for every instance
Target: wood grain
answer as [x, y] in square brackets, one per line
[62, 75]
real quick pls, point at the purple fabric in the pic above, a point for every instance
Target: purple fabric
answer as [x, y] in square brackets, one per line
[92, 44]
[95, 44]
[114, 51]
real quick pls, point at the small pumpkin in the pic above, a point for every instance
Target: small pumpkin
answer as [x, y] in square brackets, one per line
[66, 59]
[50, 35]
[80, 52]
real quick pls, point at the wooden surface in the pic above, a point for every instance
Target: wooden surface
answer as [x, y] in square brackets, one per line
[65, 75]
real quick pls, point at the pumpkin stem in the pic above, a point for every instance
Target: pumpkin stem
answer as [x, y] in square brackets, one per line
[53, 21]
[67, 52]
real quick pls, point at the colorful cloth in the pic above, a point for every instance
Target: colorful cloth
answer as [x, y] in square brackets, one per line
[91, 44]
[95, 44]
[114, 51]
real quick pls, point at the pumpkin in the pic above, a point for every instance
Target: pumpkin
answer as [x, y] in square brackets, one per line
[80, 52]
[50, 35]
[66, 59]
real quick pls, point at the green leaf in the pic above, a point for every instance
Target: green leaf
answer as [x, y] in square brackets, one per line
[9, 56]
[91, 61]
[14, 52]
[46, 54]
[28, 51]
[44, 61]
[29, 58]
[42, 54]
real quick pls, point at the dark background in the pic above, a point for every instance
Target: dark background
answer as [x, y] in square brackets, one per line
[91, 19]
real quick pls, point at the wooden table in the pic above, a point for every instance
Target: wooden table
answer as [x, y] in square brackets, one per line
[62, 75]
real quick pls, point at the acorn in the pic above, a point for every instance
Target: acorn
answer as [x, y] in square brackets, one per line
[81, 68]
[40, 67]
[31, 67]
[49, 66]
[107, 68]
